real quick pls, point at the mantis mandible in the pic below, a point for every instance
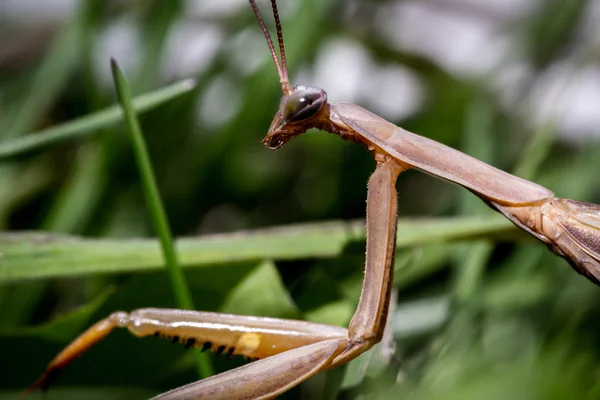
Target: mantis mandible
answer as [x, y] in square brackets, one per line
[292, 351]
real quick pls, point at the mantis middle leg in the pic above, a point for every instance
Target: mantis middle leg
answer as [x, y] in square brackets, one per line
[289, 351]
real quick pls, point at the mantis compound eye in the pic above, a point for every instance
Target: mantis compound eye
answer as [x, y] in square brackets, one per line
[304, 103]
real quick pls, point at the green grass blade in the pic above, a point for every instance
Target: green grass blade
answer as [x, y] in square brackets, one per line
[472, 259]
[537, 150]
[92, 122]
[37, 256]
[48, 80]
[155, 206]
[158, 216]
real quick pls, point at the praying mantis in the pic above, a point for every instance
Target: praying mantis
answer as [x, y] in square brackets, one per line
[292, 351]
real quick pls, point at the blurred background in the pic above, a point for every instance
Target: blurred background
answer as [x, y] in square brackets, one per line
[514, 83]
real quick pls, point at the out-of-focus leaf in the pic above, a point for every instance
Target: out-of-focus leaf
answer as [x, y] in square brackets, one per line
[89, 393]
[516, 294]
[48, 80]
[420, 317]
[334, 313]
[419, 262]
[67, 327]
[260, 293]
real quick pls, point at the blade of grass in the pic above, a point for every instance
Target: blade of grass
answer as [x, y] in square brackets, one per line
[158, 216]
[157, 23]
[92, 122]
[36, 256]
[82, 190]
[473, 259]
[538, 149]
[47, 81]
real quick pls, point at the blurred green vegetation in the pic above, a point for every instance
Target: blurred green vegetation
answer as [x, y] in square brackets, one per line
[482, 311]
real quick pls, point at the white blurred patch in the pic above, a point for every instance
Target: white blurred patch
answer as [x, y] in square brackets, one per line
[120, 40]
[347, 73]
[219, 103]
[190, 48]
[508, 82]
[340, 68]
[464, 44]
[37, 10]
[573, 96]
[393, 91]
[207, 9]
[589, 30]
[213, 8]
[247, 52]
[499, 9]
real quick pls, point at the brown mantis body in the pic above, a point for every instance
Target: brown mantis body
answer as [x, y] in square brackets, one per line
[292, 351]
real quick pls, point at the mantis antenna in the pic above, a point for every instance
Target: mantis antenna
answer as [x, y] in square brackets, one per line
[281, 66]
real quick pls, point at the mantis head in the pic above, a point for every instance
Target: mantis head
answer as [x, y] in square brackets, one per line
[300, 110]
[302, 107]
